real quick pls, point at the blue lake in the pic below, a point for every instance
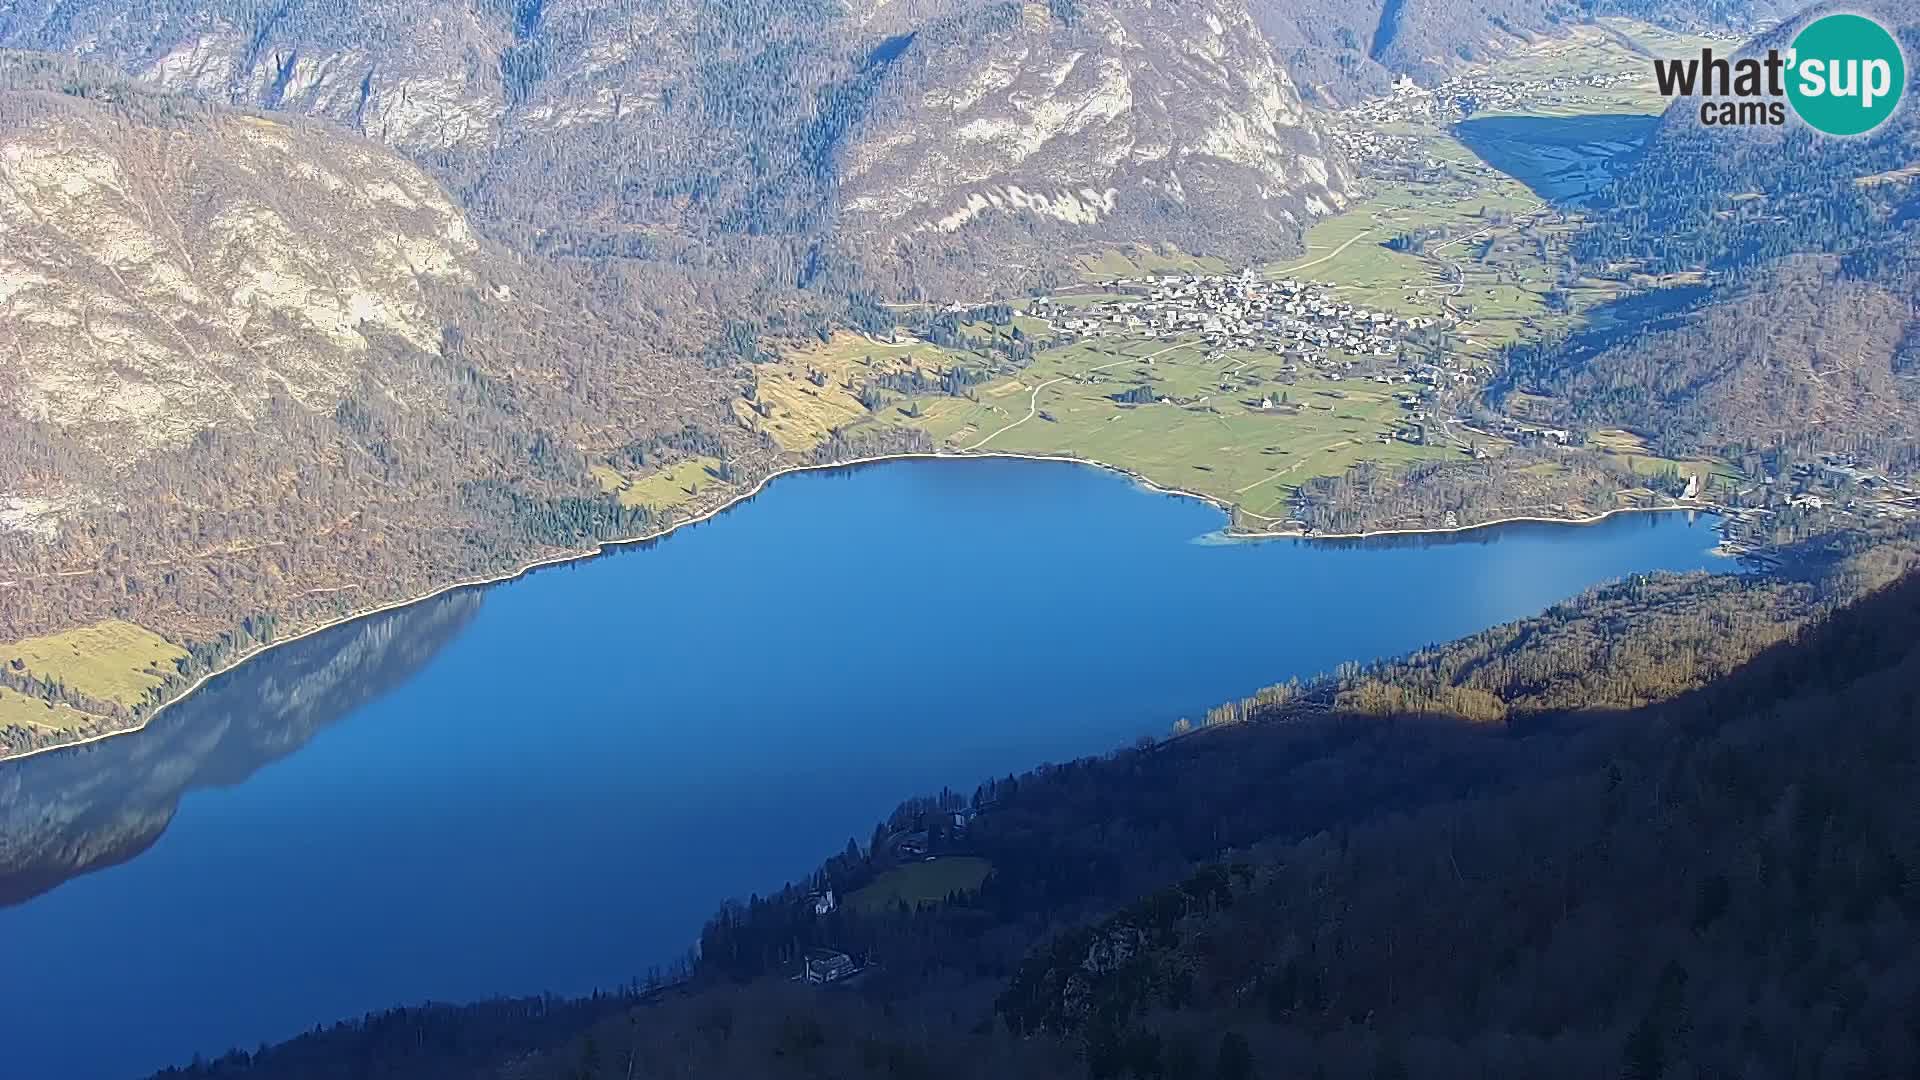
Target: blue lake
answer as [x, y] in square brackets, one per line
[548, 785]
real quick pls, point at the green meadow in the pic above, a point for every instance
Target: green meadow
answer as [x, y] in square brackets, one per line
[112, 661]
[920, 883]
[1211, 436]
[1483, 221]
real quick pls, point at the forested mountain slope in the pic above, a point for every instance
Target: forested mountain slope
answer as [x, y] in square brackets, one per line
[1392, 891]
[257, 372]
[781, 138]
[1797, 351]
[1732, 891]
[171, 269]
[1807, 334]
[1341, 52]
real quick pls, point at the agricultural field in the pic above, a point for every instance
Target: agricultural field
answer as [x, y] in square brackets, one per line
[1210, 435]
[113, 661]
[1504, 183]
[1467, 229]
[1025, 324]
[1491, 263]
[813, 390]
[1621, 48]
[1631, 450]
[921, 883]
[1087, 298]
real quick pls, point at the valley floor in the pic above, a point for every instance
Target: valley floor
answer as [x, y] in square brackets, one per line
[1364, 367]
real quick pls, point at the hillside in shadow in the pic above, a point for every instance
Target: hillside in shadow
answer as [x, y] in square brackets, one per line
[1340, 881]
[1561, 158]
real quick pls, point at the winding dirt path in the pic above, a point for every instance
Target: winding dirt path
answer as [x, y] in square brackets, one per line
[1033, 402]
[1351, 240]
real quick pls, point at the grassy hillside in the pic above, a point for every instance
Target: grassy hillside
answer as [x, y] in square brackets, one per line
[917, 883]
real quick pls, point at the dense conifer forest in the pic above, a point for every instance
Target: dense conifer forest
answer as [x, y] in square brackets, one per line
[1803, 335]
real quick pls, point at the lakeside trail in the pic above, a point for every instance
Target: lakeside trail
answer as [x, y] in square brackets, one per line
[606, 546]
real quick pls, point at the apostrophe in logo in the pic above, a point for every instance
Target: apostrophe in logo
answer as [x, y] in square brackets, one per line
[1843, 75]
[1847, 74]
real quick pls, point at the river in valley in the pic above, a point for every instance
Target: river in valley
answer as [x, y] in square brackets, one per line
[548, 785]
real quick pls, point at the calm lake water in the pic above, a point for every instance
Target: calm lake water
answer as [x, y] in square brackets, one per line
[548, 785]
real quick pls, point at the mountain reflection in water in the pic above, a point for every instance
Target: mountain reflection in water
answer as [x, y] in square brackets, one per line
[554, 792]
[71, 812]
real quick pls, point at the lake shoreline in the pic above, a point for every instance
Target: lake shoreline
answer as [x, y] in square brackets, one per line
[604, 547]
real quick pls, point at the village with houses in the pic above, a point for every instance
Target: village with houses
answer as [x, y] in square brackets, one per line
[1305, 330]
[924, 860]
[1464, 95]
[1376, 345]
[1301, 320]
[1835, 487]
[1301, 326]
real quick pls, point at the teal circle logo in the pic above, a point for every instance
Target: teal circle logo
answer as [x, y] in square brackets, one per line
[1847, 74]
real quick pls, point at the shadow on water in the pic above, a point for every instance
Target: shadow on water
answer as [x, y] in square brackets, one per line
[1505, 531]
[72, 812]
[1561, 158]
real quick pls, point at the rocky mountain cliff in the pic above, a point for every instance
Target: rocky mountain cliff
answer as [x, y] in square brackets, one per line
[170, 269]
[251, 365]
[1131, 115]
[316, 304]
[772, 135]
[1341, 51]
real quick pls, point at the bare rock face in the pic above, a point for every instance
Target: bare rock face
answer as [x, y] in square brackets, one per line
[305, 303]
[162, 277]
[417, 76]
[1126, 118]
[252, 364]
[651, 127]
